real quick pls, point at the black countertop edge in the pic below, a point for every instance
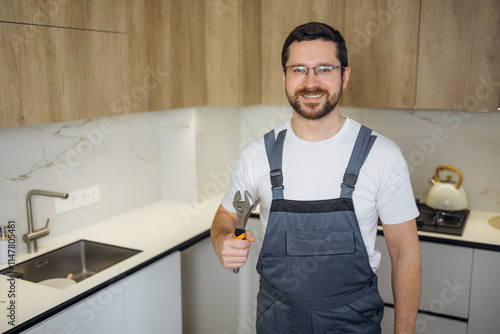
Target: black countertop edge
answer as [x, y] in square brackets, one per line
[455, 242]
[47, 314]
[434, 314]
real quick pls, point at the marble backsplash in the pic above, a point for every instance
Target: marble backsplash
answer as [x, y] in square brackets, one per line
[188, 155]
[121, 155]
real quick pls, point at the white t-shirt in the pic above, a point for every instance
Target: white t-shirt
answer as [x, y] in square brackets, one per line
[315, 171]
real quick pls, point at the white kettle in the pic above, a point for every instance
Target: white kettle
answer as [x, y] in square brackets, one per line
[446, 195]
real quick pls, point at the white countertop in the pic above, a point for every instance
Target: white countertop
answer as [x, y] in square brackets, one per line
[153, 229]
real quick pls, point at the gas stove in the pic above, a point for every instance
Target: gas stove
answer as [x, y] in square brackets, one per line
[439, 221]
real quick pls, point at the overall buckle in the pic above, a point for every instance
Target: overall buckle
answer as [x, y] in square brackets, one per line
[349, 180]
[276, 178]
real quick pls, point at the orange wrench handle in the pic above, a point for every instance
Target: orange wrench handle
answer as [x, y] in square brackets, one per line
[239, 234]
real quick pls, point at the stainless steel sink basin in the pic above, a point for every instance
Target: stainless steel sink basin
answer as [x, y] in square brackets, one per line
[77, 261]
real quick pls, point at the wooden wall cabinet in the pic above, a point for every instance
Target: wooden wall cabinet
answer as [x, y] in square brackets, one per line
[56, 74]
[413, 54]
[204, 51]
[382, 41]
[423, 54]
[108, 15]
[68, 60]
[459, 55]
[72, 60]
[167, 38]
[279, 17]
[61, 60]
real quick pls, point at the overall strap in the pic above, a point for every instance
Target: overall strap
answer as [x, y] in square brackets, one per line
[362, 147]
[274, 150]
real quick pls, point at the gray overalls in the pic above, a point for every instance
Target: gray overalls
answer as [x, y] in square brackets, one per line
[315, 276]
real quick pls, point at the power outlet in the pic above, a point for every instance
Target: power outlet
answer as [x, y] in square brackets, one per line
[78, 199]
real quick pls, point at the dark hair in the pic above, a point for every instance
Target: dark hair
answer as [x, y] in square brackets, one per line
[313, 31]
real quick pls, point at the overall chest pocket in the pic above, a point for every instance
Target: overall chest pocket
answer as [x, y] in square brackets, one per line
[320, 243]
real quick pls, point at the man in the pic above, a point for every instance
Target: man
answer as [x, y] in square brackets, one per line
[322, 181]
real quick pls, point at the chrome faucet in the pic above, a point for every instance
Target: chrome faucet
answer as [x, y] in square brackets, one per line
[31, 237]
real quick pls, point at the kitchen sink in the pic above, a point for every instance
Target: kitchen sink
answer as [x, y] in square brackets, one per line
[77, 261]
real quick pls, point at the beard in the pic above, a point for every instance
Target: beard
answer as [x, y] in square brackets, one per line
[314, 110]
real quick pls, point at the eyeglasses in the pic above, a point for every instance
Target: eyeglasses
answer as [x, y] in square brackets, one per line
[323, 72]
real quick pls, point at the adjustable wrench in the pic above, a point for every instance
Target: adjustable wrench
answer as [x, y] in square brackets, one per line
[243, 209]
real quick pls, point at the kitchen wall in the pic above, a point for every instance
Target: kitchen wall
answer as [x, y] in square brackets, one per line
[122, 155]
[188, 155]
[467, 141]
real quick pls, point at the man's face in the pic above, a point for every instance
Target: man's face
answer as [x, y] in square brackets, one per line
[312, 97]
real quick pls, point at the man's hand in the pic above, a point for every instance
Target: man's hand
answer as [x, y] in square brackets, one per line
[232, 253]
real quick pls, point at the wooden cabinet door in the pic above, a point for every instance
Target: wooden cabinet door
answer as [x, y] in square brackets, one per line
[205, 52]
[108, 15]
[485, 293]
[279, 18]
[382, 41]
[167, 37]
[152, 298]
[53, 74]
[459, 55]
[249, 58]
[232, 58]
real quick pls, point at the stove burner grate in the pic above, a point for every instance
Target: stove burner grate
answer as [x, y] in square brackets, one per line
[439, 221]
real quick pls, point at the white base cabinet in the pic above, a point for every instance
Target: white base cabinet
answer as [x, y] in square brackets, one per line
[426, 324]
[446, 288]
[210, 292]
[214, 299]
[152, 298]
[485, 293]
[40, 329]
[461, 282]
[146, 302]
[446, 278]
[100, 313]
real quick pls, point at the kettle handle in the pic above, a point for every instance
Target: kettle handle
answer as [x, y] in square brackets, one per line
[453, 169]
